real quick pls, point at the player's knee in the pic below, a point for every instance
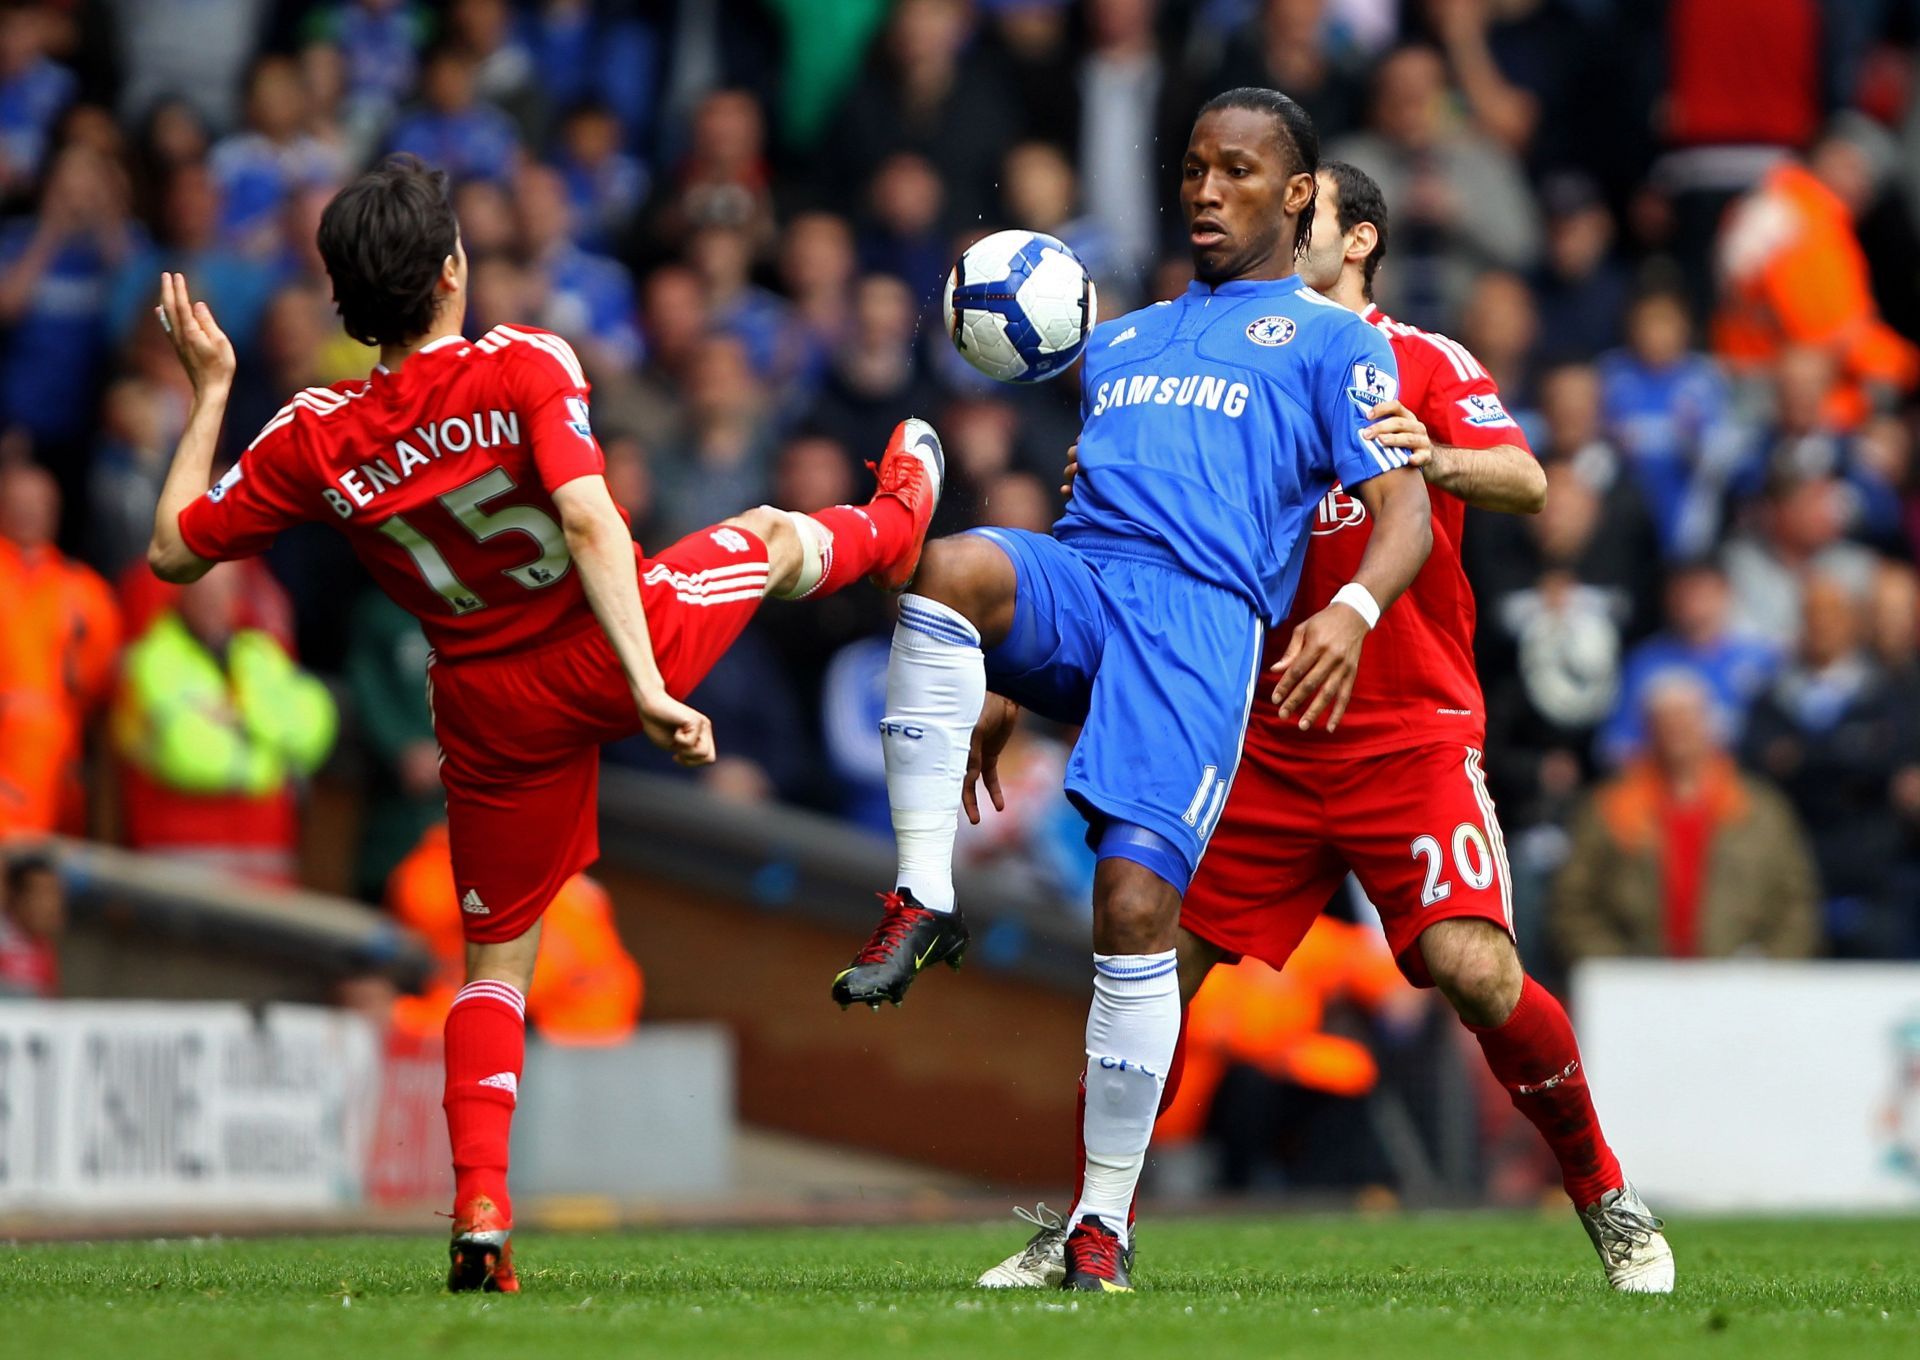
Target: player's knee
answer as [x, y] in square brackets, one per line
[1135, 911]
[1475, 965]
[967, 574]
[764, 522]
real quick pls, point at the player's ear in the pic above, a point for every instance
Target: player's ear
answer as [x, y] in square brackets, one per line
[1300, 191]
[1361, 241]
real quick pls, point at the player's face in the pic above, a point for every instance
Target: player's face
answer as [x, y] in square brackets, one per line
[1326, 245]
[1239, 200]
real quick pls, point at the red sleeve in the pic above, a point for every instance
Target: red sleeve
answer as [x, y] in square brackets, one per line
[1462, 405]
[550, 390]
[244, 511]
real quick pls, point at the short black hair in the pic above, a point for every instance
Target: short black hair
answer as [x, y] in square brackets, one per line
[1360, 201]
[385, 238]
[1296, 131]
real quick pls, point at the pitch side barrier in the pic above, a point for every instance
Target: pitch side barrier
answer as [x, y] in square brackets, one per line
[144, 927]
[789, 860]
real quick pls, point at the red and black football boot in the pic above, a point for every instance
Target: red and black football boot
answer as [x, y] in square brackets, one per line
[913, 471]
[481, 1252]
[908, 938]
[1097, 1261]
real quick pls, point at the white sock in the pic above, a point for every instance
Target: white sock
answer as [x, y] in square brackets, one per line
[1132, 1031]
[936, 683]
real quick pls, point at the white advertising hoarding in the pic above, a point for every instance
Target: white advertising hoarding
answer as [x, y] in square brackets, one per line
[134, 1106]
[1736, 1084]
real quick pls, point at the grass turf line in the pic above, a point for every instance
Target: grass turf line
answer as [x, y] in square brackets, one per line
[1486, 1286]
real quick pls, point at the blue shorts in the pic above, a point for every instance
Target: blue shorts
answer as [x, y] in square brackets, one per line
[1157, 667]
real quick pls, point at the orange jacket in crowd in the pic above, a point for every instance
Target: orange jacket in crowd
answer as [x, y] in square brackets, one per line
[1250, 1015]
[1793, 273]
[586, 986]
[59, 634]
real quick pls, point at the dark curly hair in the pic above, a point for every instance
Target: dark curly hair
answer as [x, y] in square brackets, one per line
[1360, 201]
[1293, 125]
[385, 238]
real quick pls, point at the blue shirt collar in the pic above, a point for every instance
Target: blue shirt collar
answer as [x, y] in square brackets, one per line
[1247, 288]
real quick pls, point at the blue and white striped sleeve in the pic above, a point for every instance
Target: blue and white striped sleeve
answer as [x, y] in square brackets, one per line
[1359, 374]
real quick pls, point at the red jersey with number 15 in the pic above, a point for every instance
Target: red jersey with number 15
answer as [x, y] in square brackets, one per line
[440, 475]
[1416, 682]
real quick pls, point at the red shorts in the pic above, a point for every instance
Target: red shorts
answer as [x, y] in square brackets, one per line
[1416, 827]
[520, 734]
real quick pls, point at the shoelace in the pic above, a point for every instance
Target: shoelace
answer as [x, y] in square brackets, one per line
[1626, 1228]
[897, 480]
[1094, 1252]
[899, 918]
[1050, 1226]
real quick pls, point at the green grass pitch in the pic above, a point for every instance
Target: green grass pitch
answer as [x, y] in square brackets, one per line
[1480, 1286]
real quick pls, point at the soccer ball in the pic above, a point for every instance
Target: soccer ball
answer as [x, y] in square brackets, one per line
[1019, 306]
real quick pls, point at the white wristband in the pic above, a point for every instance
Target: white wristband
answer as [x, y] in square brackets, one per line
[1360, 600]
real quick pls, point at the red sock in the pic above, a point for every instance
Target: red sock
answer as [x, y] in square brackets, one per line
[865, 538]
[486, 1047]
[1535, 1057]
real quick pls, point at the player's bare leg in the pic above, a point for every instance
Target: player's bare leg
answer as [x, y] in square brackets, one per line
[961, 603]
[1530, 1047]
[486, 1043]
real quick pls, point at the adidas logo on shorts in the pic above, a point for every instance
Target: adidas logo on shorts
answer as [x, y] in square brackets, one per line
[472, 905]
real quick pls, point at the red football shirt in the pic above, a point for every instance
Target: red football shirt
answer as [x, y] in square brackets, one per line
[1416, 683]
[440, 475]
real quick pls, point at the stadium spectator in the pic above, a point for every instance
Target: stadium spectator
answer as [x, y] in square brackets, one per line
[930, 91]
[1292, 45]
[876, 372]
[453, 127]
[1794, 274]
[504, 73]
[1500, 327]
[59, 633]
[1124, 87]
[1271, 1075]
[33, 918]
[276, 154]
[605, 184]
[741, 308]
[1581, 287]
[1681, 855]
[588, 298]
[194, 49]
[1700, 639]
[1799, 518]
[34, 92]
[386, 674]
[608, 56]
[215, 724]
[1520, 66]
[1668, 407]
[902, 235]
[137, 433]
[190, 241]
[587, 988]
[725, 453]
[724, 179]
[54, 269]
[379, 42]
[1460, 201]
[1040, 191]
[1833, 733]
[817, 269]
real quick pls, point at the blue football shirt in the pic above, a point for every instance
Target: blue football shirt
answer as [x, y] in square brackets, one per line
[1215, 423]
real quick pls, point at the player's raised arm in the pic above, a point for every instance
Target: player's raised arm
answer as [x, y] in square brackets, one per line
[602, 547]
[207, 355]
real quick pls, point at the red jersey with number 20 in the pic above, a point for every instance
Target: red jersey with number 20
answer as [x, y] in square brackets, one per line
[1416, 682]
[440, 475]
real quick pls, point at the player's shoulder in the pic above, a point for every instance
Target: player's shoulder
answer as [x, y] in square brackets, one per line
[529, 347]
[1326, 327]
[1154, 319]
[1413, 346]
[315, 411]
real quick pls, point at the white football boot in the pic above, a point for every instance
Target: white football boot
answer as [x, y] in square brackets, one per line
[1631, 1245]
[1042, 1263]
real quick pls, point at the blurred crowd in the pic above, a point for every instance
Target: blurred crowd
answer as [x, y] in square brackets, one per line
[1680, 233]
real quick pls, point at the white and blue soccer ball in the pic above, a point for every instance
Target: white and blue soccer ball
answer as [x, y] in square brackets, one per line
[1020, 306]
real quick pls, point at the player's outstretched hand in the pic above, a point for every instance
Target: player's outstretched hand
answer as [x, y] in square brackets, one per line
[683, 732]
[1072, 469]
[1317, 672]
[998, 717]
[204, 350]
[1397, 427]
